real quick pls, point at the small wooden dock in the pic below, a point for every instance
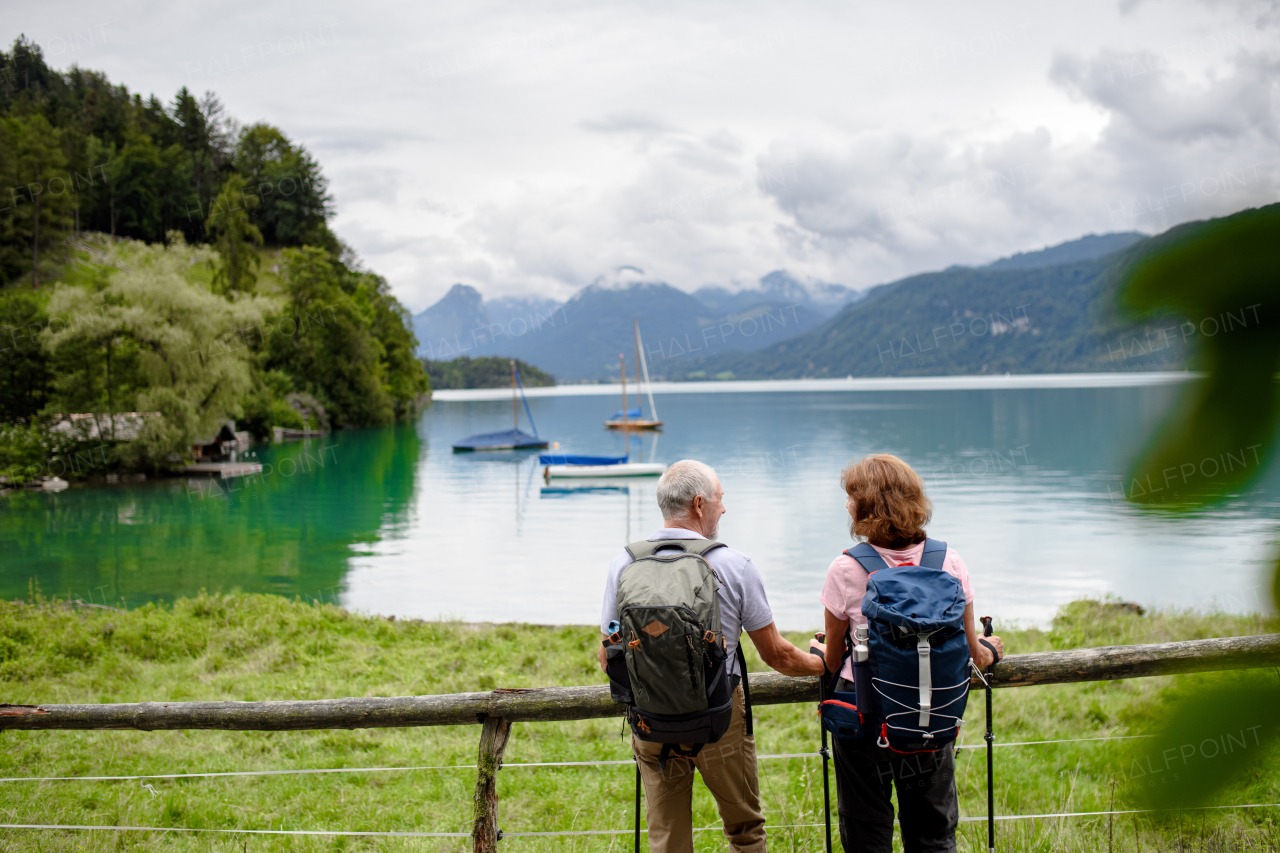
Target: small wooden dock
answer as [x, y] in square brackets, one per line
[223, 470]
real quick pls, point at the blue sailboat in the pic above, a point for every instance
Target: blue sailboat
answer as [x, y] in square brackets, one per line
[507, 439]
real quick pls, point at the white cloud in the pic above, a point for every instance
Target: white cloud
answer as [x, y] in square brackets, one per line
[538, 146]
[878, 205]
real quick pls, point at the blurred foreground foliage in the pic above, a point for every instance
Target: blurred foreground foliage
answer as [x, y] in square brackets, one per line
[1217, 442]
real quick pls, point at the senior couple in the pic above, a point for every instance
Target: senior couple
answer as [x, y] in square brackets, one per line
[888, 508]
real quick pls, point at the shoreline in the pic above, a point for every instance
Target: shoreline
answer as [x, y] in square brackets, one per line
[1018, 381]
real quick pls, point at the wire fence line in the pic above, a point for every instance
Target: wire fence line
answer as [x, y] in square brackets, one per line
[504, 765]
[562, 832]
[497, 710]
[514, 834]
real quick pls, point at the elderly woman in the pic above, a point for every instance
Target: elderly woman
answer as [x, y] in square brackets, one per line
[889, 510]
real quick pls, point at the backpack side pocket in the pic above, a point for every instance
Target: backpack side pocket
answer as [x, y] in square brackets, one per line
[841, 717]
[615, 666]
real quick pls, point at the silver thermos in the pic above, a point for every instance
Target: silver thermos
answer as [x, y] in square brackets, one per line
[860, 650]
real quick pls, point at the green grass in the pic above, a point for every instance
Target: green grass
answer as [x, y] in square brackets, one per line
[247, 647]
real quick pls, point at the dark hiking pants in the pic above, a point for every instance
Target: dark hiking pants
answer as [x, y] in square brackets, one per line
[928, 811]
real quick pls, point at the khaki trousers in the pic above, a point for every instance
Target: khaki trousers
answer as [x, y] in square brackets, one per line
[728, 769]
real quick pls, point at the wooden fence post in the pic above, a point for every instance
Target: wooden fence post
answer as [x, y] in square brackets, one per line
[493, 741]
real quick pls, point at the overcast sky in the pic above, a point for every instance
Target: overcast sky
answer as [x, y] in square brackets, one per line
[537, 146]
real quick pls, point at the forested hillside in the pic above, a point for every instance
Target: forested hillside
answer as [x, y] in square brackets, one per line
[483, 372]
[1009, 317]
[159, 257]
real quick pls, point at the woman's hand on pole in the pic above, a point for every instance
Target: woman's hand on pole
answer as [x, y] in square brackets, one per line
[818, 649]
[985, 644]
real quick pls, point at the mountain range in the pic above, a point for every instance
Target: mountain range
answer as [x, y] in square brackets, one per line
[1044, 311]
[580, 340]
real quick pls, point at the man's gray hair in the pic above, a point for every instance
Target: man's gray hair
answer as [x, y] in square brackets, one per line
[681, 483]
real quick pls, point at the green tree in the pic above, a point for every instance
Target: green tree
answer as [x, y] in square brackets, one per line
[195, 141]
[134, 174]
[235, 236]
[13, 253]
[294, 192]
[402, 374]
[331, 352]
[95, 196]
[42, 195]
[24, 365]
[1216, 443]
[180, 350]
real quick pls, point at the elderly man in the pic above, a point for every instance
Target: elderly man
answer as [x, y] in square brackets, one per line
[692, 502]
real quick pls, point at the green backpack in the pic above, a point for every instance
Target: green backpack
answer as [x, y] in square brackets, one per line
[667, 660]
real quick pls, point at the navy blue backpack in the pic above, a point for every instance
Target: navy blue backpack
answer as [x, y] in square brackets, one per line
[914, 687]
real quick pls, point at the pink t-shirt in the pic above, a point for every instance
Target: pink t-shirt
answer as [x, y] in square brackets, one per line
[847, 584]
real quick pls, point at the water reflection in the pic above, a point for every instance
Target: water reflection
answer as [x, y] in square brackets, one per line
[1026, 485]
[289, 530]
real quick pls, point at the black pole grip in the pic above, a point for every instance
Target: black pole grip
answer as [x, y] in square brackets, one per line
[986, 626]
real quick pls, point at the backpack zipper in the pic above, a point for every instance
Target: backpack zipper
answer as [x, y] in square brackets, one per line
[688, 653]
[702, 629]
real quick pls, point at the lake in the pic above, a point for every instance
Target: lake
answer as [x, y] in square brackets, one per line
[1027, 484]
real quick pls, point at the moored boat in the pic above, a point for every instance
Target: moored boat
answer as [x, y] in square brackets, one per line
[632, 418]
[573, 465]
[508, 439]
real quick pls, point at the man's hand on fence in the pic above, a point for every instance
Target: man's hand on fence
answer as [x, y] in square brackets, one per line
[779, 654]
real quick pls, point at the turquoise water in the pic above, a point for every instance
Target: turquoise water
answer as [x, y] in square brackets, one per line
[1027, 485]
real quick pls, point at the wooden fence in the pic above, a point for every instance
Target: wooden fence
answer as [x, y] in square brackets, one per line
[495, 710]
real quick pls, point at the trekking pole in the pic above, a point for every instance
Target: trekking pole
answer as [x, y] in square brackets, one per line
[826, 753]
[637, 805]
[990, 738]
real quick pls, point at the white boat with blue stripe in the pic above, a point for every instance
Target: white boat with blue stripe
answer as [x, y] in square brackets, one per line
[575, 465]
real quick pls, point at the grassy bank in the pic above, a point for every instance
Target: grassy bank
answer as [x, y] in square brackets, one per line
[248, 647]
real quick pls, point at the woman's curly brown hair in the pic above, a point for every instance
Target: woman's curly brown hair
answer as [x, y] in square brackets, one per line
[890, 508]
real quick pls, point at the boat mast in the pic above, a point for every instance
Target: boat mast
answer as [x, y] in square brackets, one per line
[622, 360]
[515, 411]
[639, 387]
[653, 409]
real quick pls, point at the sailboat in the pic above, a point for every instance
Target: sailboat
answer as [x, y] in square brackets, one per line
[591, 467]
[509, 439]
[629, 419]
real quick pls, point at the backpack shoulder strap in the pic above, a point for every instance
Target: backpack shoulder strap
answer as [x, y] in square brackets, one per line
[935, 554]
[869, 558]
[696, 547]
[746, 688]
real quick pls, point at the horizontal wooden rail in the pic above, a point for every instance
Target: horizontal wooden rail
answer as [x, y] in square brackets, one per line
[581, 703]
